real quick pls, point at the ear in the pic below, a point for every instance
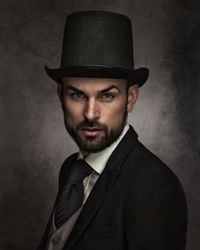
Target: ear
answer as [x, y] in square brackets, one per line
[133, 93]
[60, 91]
[60, 94]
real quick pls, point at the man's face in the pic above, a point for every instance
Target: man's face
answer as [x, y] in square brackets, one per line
[95, 110]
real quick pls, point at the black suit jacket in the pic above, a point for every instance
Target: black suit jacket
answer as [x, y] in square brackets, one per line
[137, 203]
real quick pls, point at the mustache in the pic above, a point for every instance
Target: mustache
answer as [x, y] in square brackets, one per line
[92, 124]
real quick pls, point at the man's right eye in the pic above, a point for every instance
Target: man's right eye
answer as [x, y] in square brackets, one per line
[77, 96]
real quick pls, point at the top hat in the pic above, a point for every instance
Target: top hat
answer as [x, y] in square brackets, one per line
[98, 44]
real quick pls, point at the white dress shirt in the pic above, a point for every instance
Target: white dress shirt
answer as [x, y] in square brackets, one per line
[58, 237]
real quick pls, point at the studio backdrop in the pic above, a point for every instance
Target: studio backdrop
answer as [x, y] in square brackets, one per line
[33, 139]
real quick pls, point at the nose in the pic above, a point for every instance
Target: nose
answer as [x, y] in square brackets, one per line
[91, 111]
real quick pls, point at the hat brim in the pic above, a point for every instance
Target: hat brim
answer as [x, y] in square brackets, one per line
[137, 76]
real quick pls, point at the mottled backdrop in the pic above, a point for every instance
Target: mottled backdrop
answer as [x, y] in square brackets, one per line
[33, 141]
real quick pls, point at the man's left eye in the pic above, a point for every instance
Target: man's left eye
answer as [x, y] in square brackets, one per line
[108, 97]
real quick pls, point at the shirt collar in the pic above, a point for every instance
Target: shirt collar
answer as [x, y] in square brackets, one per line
[98, 160]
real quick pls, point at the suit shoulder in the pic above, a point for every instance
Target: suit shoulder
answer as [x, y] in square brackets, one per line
[154, 201]
[149, 178]
[149, 166]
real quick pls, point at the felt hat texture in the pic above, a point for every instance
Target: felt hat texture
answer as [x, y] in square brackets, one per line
[98, 44]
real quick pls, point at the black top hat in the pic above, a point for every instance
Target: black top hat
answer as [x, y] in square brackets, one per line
[98, 44]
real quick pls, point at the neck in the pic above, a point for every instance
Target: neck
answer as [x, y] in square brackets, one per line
[84, 154]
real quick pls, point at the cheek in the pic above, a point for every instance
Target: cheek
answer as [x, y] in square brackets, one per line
[114, 113]
[72, 113]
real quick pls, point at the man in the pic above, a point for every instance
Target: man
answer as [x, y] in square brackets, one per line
[114, 194]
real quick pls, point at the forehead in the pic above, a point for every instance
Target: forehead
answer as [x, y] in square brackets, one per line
[93, 83]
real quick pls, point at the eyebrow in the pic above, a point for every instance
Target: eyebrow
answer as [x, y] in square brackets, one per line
[101, 91]
[74, 89]
[109, 88]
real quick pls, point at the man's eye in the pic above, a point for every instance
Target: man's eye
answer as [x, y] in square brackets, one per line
[107, 97]
[77, 95]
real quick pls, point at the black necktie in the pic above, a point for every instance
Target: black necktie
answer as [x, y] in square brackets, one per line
[71, 197]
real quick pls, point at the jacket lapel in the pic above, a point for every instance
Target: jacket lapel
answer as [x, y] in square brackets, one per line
[102, 186]
[63, 174]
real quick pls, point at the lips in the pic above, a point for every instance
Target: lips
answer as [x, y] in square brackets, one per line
[91, 131]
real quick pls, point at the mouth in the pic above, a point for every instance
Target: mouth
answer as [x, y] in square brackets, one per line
[87, 131]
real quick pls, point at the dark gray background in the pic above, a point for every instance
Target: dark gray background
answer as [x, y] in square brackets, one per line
[33, 138]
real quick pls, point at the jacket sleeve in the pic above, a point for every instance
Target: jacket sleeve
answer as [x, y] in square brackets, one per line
[155, 211]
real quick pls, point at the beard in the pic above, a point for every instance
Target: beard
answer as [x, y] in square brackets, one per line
[93, 144]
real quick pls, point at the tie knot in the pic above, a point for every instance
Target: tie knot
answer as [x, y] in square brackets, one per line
[79, 171]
